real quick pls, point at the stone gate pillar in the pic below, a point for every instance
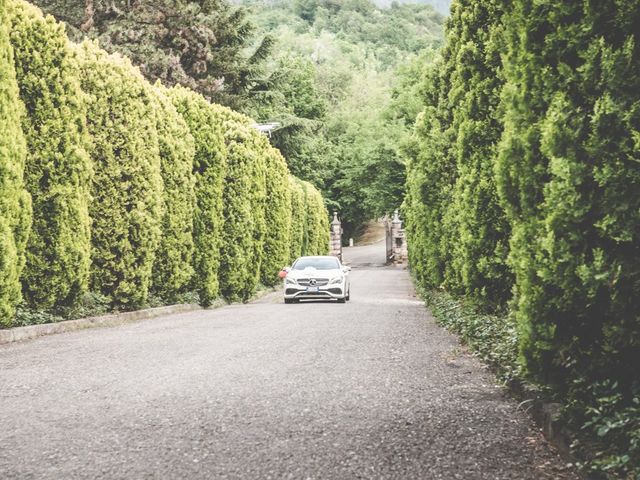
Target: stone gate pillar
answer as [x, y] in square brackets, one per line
[335, 243]
[399, 245]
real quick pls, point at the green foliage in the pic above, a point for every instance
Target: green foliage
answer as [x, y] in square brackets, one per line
[15, 202]
[209, 167]
[205, 46]
[173, 267]
[493, 338]
[298, 218]
[243, 210]
[331, 88]
[317, 222]
[58, 169]
[536, 196]
[126, 207]
[278, 217]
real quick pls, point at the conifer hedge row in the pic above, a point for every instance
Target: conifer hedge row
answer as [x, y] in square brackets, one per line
[523, 196]
[137, 189]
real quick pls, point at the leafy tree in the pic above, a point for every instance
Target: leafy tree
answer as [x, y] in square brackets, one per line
[209, 167]
[15, 202]
[126, 207]
[58, 169]
[173, 267]
[200, 44]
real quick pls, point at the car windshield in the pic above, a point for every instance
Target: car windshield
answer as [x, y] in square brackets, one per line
[317, 263]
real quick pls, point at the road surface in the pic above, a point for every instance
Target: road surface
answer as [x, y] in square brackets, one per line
[370, 389]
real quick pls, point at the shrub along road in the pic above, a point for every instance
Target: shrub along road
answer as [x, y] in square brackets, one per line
[370, 389]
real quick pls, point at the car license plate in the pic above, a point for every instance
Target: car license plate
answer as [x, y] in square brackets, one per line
[313, 289]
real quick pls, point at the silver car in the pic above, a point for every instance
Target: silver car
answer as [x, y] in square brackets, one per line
[316, 278]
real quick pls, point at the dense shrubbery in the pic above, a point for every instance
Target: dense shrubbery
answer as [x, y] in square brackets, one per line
[137, 189]
[58, 168]
[523, 198]
[173, 270]
[126, 205]
[15, 202]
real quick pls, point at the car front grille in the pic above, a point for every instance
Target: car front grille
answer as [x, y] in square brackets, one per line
[320, 282]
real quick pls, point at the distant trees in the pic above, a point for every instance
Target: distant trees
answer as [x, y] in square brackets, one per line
[199, 44]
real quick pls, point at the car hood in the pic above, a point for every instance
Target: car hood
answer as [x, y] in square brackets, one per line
[313, 273]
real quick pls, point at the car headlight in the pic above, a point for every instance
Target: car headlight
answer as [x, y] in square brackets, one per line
[290, 281]
[336, 280]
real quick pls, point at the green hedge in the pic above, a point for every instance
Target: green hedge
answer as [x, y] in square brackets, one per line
[137, 189]
[298, 218]
[58, 169]
[317, 222]
[173, 268]
[15, 202]
[126, 204]
[523, 199]
[278, 216]
[209, 169]
[243, 198]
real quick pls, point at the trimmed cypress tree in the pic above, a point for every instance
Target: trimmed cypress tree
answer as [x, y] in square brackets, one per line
[477, 230]
[278, 215]
[568, 172]
[239, 269]
[209, 167]
[173, 267]
[317, 222]
[297, 220]
[126, 207]
[15, 202]
[58, 168]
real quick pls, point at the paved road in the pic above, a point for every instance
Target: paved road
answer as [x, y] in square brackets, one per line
[370, 389]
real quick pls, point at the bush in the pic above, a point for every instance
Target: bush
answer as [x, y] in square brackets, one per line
[279, 216]
[126, 206]
[243, 210]
[298, 218]
[173, 268]
[209, 167]
[58, 169]
[317, 222]
[15, 202]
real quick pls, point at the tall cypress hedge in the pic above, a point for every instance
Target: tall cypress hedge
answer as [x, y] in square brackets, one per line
[298, 218]
[126, 204]
[568, 172]
[58, 169]
[317, 222]
[278, 216]
[173, 268]
[15, 202]
[240, 267]
[209, 167]
[554, 167]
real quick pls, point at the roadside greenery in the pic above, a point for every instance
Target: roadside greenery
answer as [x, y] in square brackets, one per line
[333, 86]
[522, 202]
[142, 194]
[15, 201]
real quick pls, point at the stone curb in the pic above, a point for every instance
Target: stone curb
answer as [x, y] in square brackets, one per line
[34, 331]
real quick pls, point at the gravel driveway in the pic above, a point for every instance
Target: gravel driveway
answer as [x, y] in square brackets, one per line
[370, 389]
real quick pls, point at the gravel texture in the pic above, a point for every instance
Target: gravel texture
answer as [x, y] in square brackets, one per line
[370, 389]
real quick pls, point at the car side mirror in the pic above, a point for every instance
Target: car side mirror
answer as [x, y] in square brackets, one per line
[346, 269]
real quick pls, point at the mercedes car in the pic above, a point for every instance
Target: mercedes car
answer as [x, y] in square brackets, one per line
[316, 278]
